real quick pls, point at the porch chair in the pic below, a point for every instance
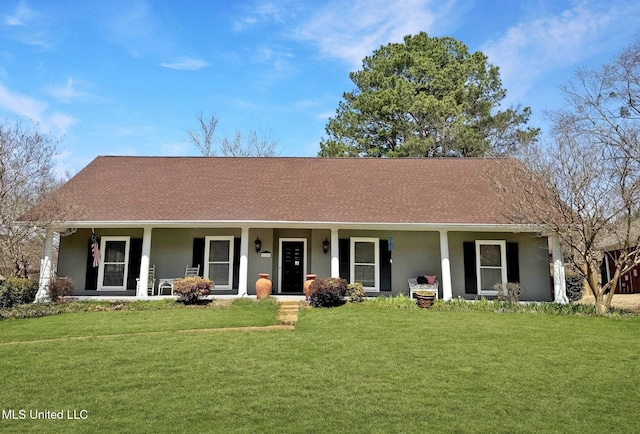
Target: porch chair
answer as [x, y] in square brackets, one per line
[151, 283]
[168, 283]
[415, 286]
[192, 271]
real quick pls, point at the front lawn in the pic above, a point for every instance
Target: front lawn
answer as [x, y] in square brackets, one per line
[356, 368]
[160, 317]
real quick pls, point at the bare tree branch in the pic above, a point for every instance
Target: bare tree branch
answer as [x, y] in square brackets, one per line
[257, 144]
[203, 139]
[589, 176]
[26, 177]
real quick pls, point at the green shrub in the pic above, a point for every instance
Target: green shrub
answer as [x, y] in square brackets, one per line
[15, 291]
[328, 292]
[400, 301]
[355, 292]
[575, 285]
[190, 289]
[60, 287]
[8, 297]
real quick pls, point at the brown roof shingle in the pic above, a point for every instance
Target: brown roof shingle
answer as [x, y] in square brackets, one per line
[446, 191]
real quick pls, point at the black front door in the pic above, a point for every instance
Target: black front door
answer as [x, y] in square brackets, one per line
[292, 266]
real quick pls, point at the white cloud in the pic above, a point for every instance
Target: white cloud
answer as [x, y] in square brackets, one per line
[29, 27]
[244, 22]
[531, 49]
[60, 121]
[135, 27]
[261, 12]
[71, 90]
[278, 61]
[349, 31]
[186, 64]
[20, 17]
[21, 104]
[35, 110]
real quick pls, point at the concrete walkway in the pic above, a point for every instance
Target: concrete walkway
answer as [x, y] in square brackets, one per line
[287, 312]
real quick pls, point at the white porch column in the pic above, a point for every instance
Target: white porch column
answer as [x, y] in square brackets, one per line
[335, 253]
[141, 291]
[447, 291]
[45, 270]
[244, 262]
[559, 283]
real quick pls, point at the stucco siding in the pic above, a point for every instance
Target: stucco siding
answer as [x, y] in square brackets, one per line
[72, 258]
[256, 263]
[533, 262]
[414, 253]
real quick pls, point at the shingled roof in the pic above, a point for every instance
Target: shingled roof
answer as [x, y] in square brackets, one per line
[363, 190]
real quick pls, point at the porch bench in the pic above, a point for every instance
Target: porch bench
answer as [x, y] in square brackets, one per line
[414, 286]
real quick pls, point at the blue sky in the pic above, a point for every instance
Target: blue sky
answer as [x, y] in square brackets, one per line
[128, 77]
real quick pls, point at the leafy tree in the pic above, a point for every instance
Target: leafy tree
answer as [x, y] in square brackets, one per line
[425, 97]
[589, 176]
[26, 176]
[254, 145]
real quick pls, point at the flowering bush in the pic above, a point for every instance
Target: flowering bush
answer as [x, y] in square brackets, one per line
[60, 287]
[190, 289]
[327, 292]
[356, 293]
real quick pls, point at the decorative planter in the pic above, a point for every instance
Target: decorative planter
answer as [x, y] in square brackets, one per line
[424, 299]
[263, 286]
[307, 284]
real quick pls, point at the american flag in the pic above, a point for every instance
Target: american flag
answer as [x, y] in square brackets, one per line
[95, 250]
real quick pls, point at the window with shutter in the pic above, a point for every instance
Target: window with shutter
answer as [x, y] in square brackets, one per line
[114, 261]
[365, 263]
[218, 261]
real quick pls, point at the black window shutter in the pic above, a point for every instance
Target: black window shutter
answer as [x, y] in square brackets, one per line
[91, 273]
[385, 266]
[135, 255]
[513, 263]
[197, 257]
[470, 277]
[344, 245]
[236, 262]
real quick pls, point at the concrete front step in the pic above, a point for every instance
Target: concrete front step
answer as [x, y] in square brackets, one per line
[287, 312]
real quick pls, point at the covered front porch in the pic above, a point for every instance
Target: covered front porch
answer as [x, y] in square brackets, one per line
[383, 258]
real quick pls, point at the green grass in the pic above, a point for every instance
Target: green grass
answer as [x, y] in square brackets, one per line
[357, 368]
[162, 317]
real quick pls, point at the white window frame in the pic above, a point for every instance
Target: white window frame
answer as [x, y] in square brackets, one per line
[103, 251]
[205, 271]
[352, 262]
[502, 268]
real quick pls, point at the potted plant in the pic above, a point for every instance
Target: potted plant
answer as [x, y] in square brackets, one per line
[425, 299]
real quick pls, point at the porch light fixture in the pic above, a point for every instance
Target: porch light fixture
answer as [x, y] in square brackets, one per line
[258, 244]
[325, 246]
